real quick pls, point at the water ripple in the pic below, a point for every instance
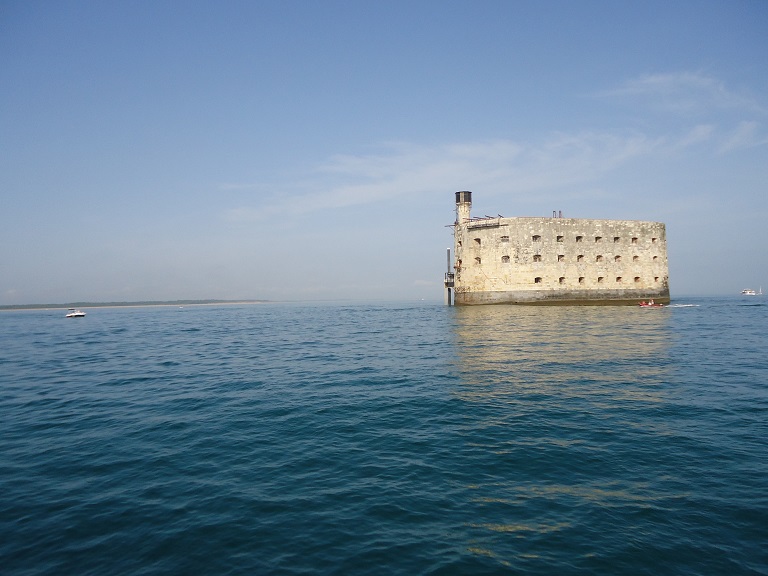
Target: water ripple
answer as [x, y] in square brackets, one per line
[391, 439]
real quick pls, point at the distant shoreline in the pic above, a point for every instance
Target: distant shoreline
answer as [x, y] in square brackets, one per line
[129, 304]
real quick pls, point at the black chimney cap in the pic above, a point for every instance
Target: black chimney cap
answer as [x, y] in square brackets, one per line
[463, 196]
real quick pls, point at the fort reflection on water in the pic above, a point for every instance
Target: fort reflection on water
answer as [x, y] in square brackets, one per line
[554, 396]
[559, 350]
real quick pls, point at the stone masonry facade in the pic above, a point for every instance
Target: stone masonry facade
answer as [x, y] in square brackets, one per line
[557, 260]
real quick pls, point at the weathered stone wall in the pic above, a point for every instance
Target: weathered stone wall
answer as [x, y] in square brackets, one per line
[560, 261]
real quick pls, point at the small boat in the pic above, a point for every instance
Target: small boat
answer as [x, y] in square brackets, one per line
[750, 292]
[74, 313]
[650, 304]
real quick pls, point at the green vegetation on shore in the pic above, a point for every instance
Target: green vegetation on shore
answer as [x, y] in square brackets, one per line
[115, 304]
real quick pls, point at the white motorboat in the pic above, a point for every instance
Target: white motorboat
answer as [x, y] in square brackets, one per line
[750, 292]
[74, 313]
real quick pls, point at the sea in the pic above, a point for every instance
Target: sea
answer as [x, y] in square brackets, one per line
[385, 438]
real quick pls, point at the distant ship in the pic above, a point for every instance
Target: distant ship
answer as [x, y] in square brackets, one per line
[75, 313]
[750, 292]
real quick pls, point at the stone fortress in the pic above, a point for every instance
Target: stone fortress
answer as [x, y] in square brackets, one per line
[566, 261]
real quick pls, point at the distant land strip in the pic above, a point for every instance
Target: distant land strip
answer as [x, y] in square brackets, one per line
[116, 304]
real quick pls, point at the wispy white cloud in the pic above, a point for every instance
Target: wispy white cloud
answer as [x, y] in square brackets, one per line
[745, 135]
[732, 118]
[685, 93]
[696, 135]
[556, 165]
[502, 165]
[238, 187]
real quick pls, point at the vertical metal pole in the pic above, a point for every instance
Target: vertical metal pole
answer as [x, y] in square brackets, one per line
[448, 298]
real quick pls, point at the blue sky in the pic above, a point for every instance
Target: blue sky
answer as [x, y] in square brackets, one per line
[310, 150]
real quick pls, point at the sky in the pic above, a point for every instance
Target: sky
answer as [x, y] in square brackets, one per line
[310, 150]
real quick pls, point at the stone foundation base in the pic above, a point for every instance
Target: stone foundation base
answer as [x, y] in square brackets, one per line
[562, 297]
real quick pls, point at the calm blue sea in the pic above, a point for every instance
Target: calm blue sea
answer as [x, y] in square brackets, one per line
[385, 439]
